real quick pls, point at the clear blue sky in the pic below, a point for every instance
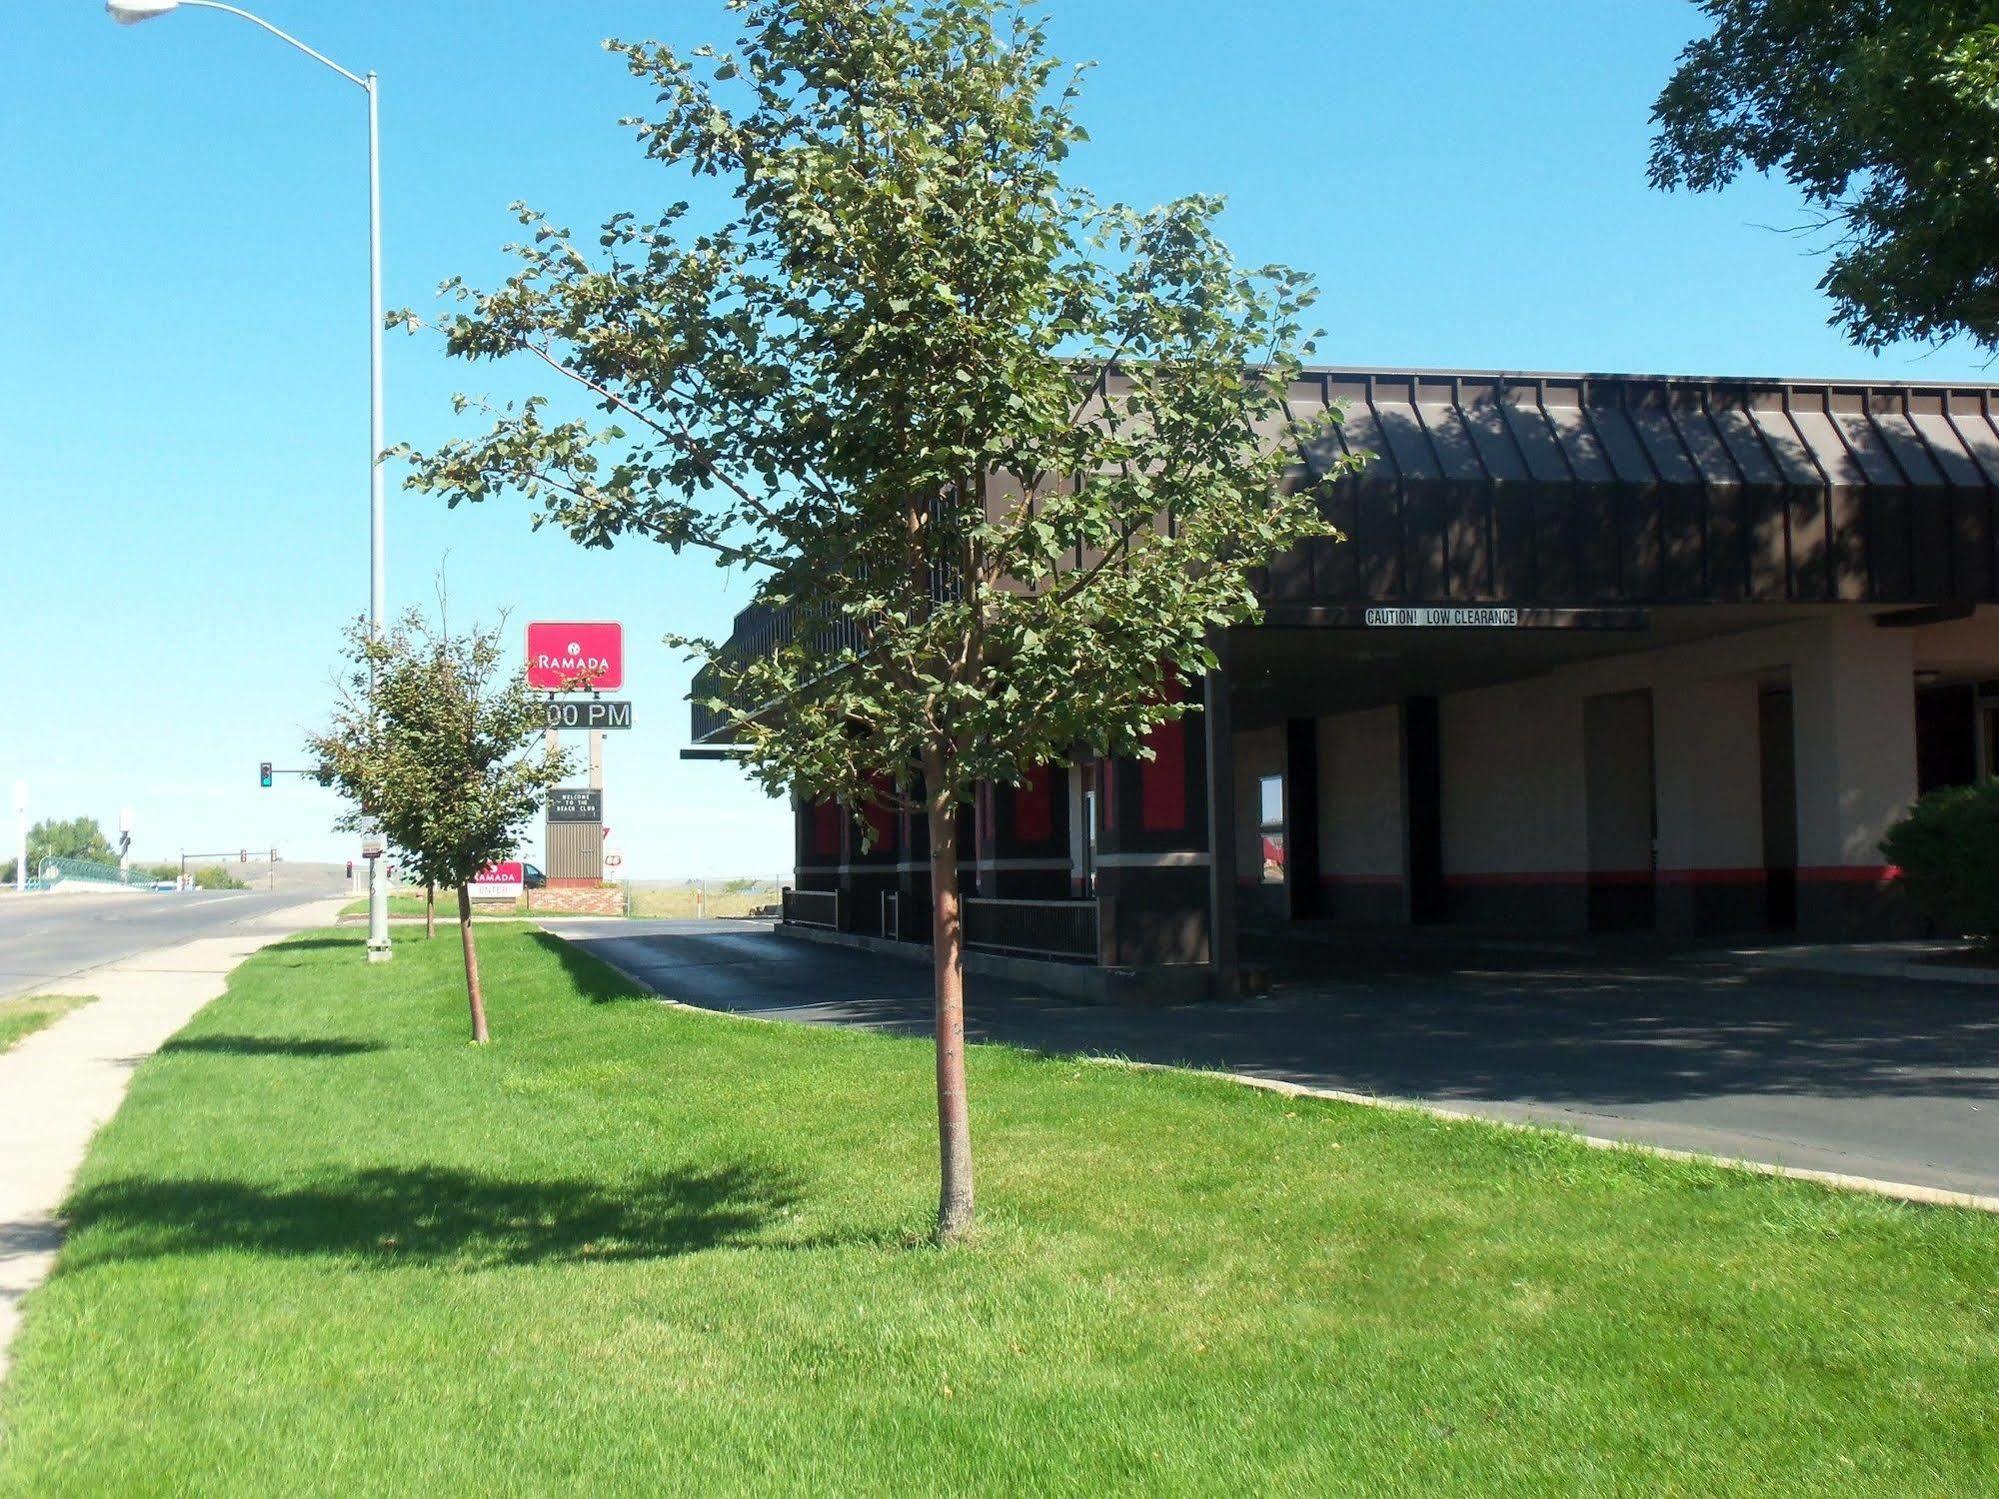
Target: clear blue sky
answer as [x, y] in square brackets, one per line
[183, 422]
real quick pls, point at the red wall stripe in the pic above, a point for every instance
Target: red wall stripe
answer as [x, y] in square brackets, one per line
[826, 828]
[1162, 780]
[1034, 807]
[1849, 874]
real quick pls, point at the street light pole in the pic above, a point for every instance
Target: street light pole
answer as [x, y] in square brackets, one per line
[20, 837]
[379, 950]
[130, 13]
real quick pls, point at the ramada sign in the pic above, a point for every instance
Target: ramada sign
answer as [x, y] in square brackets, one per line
[573, 656]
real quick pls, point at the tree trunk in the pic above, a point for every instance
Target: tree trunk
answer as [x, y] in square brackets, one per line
[954, 1128]
[473, 993]
[430, 910]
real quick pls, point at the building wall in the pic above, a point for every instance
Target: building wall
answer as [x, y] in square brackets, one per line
[1837, 691]
[1515, 828]
[1712, 855]
[1360, 816]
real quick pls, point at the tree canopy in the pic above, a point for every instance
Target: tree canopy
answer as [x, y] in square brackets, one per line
[1000, 457]
[1885, 114]
[65, 838]
[439, 745]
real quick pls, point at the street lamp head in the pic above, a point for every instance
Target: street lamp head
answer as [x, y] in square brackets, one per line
[132, 12]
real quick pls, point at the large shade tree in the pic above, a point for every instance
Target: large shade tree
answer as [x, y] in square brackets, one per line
[439, 743]
[999, 456]
[63, 838]
[1885, 114]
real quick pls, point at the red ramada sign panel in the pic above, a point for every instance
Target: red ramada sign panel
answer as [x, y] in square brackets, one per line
[575, 655]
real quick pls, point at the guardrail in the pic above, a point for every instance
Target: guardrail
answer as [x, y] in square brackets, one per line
[812, 908]
[1064, 929]
[91, 872]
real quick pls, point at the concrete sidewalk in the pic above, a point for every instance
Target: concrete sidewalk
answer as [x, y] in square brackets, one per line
[59, 1085]
[1926, 960]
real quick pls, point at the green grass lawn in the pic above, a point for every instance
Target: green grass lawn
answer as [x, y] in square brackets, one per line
[329, 1248]
[447, 908]
[647, 901]
[26, 1015]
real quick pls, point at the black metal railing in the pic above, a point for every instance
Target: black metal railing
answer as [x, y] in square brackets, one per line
[905, 918]
[1065, 929]
[812, 908]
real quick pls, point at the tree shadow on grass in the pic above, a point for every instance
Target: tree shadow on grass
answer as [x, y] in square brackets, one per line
[591, 977]
[390, 1217]
[271, 1046]
[304, 944]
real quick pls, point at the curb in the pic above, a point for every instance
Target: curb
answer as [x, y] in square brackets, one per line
[1862, 966]
[1902, 1191]
[1911, 1192]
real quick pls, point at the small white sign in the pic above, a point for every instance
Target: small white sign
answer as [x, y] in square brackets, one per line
[1447, 619]
[371, 845]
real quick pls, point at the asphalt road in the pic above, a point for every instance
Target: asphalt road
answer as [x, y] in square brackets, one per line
[1875, 1077]
[46, 939]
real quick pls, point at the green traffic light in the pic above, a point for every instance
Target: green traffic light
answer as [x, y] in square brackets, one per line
[264, 773]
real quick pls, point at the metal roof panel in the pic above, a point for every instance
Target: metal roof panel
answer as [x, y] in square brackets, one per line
[1446, 426]
[1520, 408]
[1816, 429]
[1971, 413]
[1402, 430]
[1745, 443]
[1910, 452]
[1587, 459]
[1621, 443]
[1661, 439]
[1485, 420]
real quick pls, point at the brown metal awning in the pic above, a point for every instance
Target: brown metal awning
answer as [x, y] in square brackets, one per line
[1605, 492]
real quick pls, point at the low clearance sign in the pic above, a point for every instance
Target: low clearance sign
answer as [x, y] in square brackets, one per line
[576, 655]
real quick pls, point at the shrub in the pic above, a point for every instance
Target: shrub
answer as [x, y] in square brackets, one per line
[1947, 849]
[215, 877]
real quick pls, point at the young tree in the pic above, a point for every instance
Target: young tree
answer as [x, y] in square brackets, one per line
[1885, 113]
[448, 762]
[1000, 456]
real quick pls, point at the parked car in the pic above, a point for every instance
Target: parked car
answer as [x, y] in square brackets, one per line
[532, 878]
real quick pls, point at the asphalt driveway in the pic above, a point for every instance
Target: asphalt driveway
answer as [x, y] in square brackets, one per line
[1871, 1076]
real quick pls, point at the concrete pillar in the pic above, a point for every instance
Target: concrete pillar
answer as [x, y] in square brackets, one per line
[1707, 752]
[1853, 703]
[1226, 976]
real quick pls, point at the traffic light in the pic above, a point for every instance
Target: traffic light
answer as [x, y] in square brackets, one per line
[264, 774]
